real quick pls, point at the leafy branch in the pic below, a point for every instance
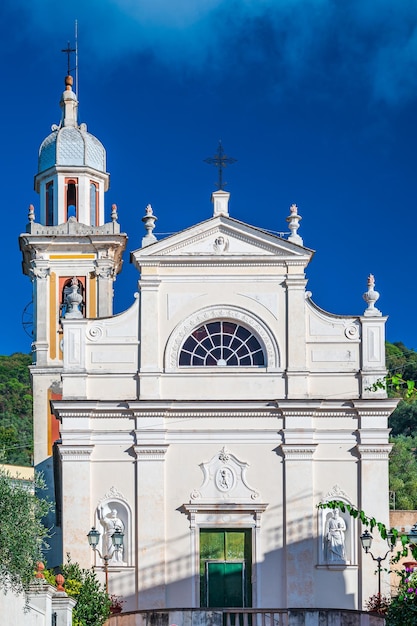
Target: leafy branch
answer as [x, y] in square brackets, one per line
[404, 388]
[392, 535]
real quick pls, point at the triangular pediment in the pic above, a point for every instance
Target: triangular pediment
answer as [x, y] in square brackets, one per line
[223, 238]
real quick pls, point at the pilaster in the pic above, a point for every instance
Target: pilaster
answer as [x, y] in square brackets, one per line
[76, 493]
[296, 335]
[105, 273]
[151, 557]
[373, 355]
[39, 273]
[373, 450]
[299, 520]
[150, 354]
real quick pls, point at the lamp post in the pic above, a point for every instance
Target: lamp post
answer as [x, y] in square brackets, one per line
[366, 541]
[117, 541]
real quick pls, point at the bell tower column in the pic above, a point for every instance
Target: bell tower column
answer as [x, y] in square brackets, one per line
[72, 257]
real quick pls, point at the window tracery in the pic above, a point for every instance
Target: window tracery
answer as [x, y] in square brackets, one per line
[222, 343]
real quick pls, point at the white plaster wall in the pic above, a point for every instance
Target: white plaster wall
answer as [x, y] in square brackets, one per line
[184, 475]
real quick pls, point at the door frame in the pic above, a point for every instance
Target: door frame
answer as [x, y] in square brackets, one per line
[225, 516]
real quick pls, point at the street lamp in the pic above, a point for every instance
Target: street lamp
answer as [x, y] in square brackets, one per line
[117, 541]
[366, 541]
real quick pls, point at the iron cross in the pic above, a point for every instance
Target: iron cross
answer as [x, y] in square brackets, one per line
[220, 160]
[68, 51]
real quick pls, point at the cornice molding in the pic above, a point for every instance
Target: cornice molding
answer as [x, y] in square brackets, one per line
[294, 452]
[171, 409]
[226, 512]
[369, 452]
[150, 453]
[75, 453]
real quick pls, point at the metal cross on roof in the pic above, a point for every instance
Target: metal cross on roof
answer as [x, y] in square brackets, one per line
[220, 160]
[68, 51]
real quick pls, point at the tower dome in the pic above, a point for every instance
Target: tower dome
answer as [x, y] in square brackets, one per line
[71, 165]
[72, 146]
[70, 143]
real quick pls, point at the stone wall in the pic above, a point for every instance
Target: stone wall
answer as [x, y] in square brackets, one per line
[269, 617]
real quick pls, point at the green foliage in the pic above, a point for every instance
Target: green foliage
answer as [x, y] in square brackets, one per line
[403, 472]
[93, 603]
[22, 535]
[404, 419]
[402, 610]
[402, 382]
[16, 429]
[358, 514]
[395, 358]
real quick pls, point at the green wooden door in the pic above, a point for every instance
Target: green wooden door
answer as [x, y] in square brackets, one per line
[225, 584]
[225, 566]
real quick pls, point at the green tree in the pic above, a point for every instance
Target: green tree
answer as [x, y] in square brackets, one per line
[93, 603]
[22, 535]
[402, 382]
[403, 421]
[16, 428]
[395, 358]
[403, 472]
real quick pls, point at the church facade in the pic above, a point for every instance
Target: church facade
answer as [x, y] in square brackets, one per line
[208, 420]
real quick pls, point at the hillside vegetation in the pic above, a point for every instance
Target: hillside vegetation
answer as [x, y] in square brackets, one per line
[16, 427]
[403, 423]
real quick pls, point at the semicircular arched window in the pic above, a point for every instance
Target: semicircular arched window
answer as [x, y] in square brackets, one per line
[222, 343]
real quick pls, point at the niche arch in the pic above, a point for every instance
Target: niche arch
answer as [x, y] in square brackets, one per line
[242, 317]
[115, 501]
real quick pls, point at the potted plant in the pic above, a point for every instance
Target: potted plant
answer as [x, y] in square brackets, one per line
[116, 604]
[378, 604]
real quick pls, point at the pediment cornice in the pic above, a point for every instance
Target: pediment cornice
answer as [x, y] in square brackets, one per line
[222, 241]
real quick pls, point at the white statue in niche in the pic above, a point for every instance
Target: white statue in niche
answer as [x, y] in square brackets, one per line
[334, 538]
[111, 522]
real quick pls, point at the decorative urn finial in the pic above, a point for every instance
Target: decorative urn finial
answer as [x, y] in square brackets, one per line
[149, 220]
[73, 300]
[293, 223]
[371, 296]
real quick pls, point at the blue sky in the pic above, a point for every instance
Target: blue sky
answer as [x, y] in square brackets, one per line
[316, 99]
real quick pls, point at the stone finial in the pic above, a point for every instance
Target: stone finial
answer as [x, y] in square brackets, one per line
[59, 579]
[371, 296]
[149, 220]
[73, 300]
[114, 212]
[39, 570]
[68, 83]
[69, 105]
[31, 213]
[293, 223]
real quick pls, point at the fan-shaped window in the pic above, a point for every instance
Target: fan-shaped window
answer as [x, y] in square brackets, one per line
[222, 343]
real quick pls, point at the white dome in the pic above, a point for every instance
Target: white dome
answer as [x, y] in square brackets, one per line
[70, 145]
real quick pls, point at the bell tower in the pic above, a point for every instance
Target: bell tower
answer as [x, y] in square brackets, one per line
[71, 255]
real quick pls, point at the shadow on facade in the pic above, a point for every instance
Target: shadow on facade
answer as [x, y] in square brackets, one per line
[289, 576]
[48, 469]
